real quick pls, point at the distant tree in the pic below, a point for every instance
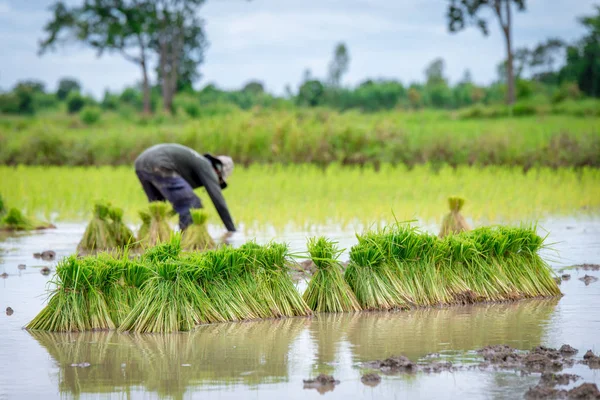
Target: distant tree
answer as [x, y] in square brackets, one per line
[179, 42]
[463, 12]
[583, 57]
[339, 65]
[414, 97]
[467, 77]
[434, 73]
[254, 87]
[311, 93]
[32, 85]
[136, 29]
[544, 57]
[66, 86]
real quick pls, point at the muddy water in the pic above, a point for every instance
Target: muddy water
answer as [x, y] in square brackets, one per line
[270, 359]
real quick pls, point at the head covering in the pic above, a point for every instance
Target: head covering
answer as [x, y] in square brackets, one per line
[226, 166]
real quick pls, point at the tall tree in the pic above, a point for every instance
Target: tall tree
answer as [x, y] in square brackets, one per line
[339, 65]
[66, 86]
[434, 72]
[179, 42]
[464, 12]
[583, 57]
[114, 26]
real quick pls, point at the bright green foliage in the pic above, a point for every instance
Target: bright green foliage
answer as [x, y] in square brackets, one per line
[155, 224]
[327, 290]
[196, 236]
[167, 290]
[106, 230]
[454, 222]
[15, 220]
[2, 208]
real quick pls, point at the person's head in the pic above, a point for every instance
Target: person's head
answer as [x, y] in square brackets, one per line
[223, 166]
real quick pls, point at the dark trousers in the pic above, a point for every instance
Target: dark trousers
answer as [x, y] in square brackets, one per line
[174, 189]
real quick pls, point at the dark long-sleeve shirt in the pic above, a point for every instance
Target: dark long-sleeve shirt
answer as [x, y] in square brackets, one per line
[196, 169]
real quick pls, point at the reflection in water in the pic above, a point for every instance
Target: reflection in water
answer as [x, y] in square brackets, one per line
[252, 353]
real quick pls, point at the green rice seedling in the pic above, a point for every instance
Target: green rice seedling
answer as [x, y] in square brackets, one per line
[196, 236]
[145, 227]
[98, 235]
[370, 276]
[15, 220]
[454, 222]
[2, 208]
[158, 229]
[124, 237]
[226, 283]
[327, 290]
[67, 308]
[275, 282]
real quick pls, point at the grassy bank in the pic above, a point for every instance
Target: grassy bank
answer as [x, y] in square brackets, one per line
[310, 136]
[303, 196]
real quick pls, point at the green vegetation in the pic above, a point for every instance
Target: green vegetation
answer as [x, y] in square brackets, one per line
[312, 136]
[106, 230]
[304, 198]
[155, 225]
[396, 267]
[13, 219]
[454, 222]
[196, 236]
[327, 291]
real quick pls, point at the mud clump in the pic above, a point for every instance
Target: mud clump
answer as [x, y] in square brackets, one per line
[9, 311]
[588, 279]
[439, 367]
[45, 271]
[467, 297]
[565, 277]
[544, 392]
[4, 275]
[501, 355]
[584, 391]
[567, 350]
[47, 255]
[370, 379]
[394, 364]
[550, 379]
[21, 266]
[322, 383]
[588, 267]
[591, 360]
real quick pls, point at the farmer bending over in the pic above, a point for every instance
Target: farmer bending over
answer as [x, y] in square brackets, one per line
[171, 171]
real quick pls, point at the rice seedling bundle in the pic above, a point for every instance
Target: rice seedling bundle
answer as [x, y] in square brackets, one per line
[454, 222]
[156, 229]
[196, 236]
[274, 283]
[67, 308]
[222, 279]
[327, 290]
[166, 300]
[123, 235]
[371, 278]
[98, 234]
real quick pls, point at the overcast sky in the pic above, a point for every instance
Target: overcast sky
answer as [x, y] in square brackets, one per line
[276, 40]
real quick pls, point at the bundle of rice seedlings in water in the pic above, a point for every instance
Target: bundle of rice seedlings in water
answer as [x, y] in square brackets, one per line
[14, 220]
[223, 277]
[412, 261]
[145, 227]
[166, 302]
[67, 308]
[274, 283]
[327, 290]
[123, 236]
[371, 278]
[196, 236]
[157, 229]
[98, 234]
[454, 222]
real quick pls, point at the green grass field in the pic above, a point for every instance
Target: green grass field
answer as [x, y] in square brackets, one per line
[310, 136]
[304, 197]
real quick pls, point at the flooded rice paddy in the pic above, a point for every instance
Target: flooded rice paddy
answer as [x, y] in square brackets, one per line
[272, 358]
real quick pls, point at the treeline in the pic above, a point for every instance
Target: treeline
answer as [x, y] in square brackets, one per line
[538, 82]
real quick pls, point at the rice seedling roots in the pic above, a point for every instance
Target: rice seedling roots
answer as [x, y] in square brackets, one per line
[165, 289]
